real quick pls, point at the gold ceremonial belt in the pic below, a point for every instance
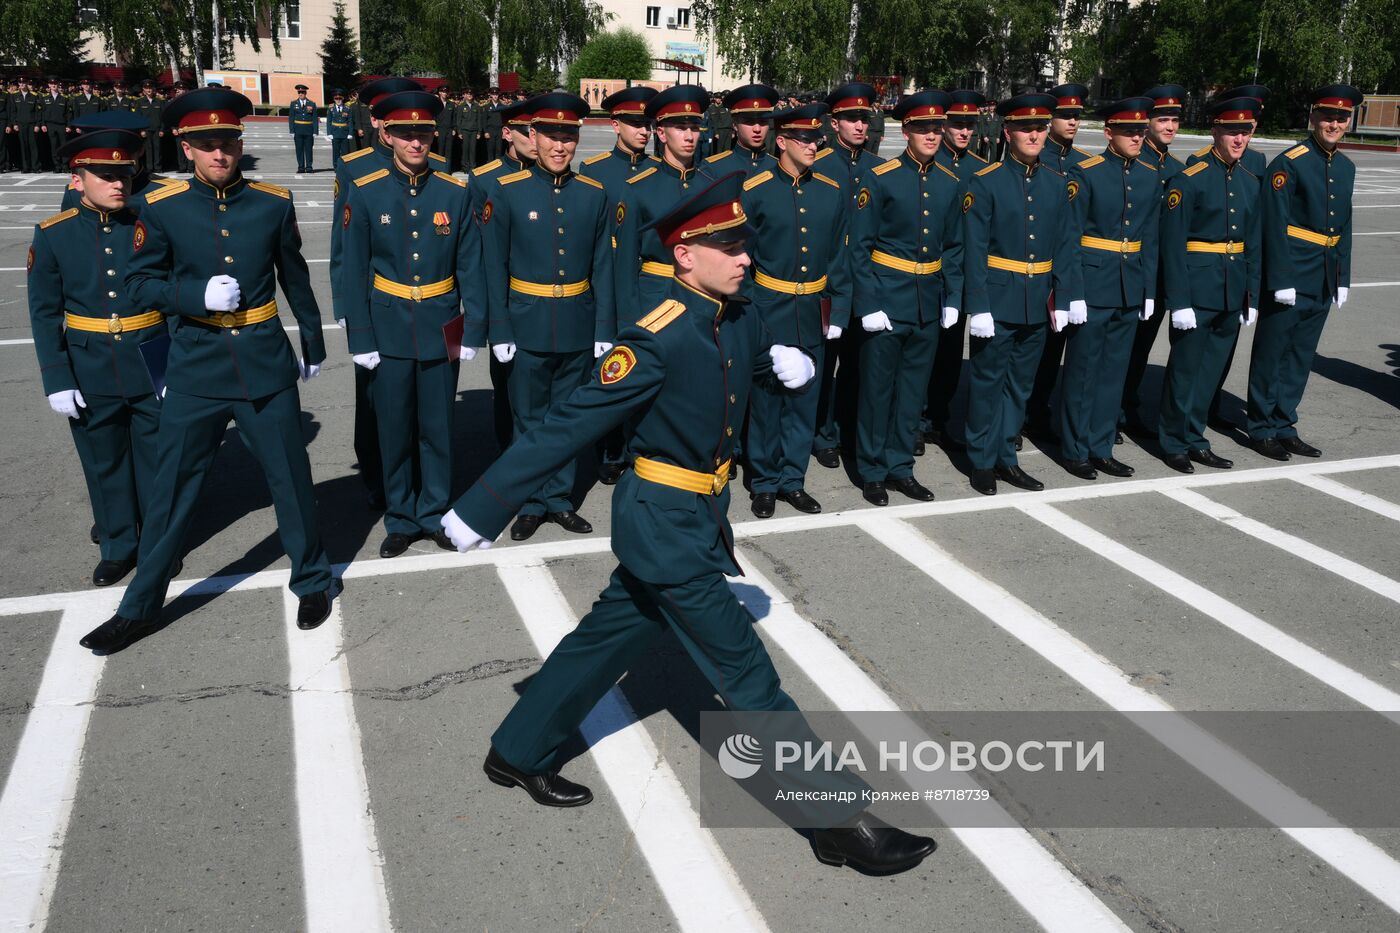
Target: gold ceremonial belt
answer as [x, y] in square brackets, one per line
[1204, 246]
[905, 265]
[706, 484]
[1303, 233]
[1016, 265]
[1112, 246]
[561, 290]
[789, 288]
[113, 325]
[241, 318]
[665, 270]
[415, 292]
[302, 122]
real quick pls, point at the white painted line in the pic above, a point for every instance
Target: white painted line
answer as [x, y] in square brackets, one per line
[690, 869]
[1349, 853]
[1305, 658]
[341, 865]
[1379, 233]
[1356, 497]
[37, 802]
[1376, 284]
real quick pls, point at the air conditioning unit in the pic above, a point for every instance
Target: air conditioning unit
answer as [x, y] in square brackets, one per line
[670, 22]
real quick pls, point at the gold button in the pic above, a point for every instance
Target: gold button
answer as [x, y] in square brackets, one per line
[802, 229]
[223, 207]
[106, 229]
[413, 192]
[417, 278]
[1029, 198]
[728, 364]
[729, 431]
[415, 255]
[1032, 235]
[1130, 203]
[111, 272]
[804, 249]
[228, 260]
[558, 210]
[1130, 187]
[1232, 210]
[111, 294]
[802, 210]
[561, 252]
[561, 229]
[1032, 255]
[223, 233]
[925, 213]
[561, 271]
[1127, 223]
[925, 194]
[1232, 194]
[1030, 217]
[415, 234]
[923, 249]
[733, 398]
[413, 212]
[804, 268]
[107, 250]
[926, 229]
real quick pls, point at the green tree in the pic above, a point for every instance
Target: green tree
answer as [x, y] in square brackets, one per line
[340, 54]
[387, 28]
[623, 54]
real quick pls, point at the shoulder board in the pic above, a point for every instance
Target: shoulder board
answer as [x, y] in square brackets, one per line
[884, 167]
[372, 176]
[452, 178]
[1090, 162]
[1080, 151]
[947, 171]
[1196, 169]
[1147, 165]
[820, 177]
[592, 160]
[488, 167]
[661, 315]
[1295, 152]
[638, 177]
[513, 177]
[58, 218]
[1202, 153]
[823, 154]
[437, 158]
[758, 179]
[589, 181]
[166, 191]
[716, 157]
[989, 169]
[72, 186]
[1052, 170]
[357, 154]
[976, 156]
[652, 158]
[165, 182]
[265, 188]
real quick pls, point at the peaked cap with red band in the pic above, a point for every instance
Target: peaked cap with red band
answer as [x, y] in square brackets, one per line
[714, 214]
[207, 112]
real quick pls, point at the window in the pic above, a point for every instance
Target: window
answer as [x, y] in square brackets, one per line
[291, 20]
[654, 17]
[87, 13]
[683, 18]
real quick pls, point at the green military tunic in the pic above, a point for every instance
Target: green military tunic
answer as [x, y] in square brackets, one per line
[54, 114]
[642, 264]
[25, 110]
[304, 125]
[151, 108]
[740, 159]
[338, 129]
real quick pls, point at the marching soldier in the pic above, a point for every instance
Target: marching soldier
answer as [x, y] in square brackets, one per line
[1018, 249]
[680, 378]
[229, 355]
[468, 128]
[549, 283]
[142, 178]
[148, 105]
[88, 334]
[850, 107]
[304, 125]
[1307, 265]
[1212, 250]
[25, 116]
[1117, 207]
[906, 249]
[54, 114]
[800, 263]
[338, 126]
[406, 251]
[751, 108]
[446, 120]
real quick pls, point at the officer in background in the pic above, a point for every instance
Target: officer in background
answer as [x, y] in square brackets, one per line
[1019, 248]
[722, 125]
[86, 102]
[549, 281]
[7, 129]
[1307, 224]
[446, 121]
[54, 114]
[365, 135]
[1212, 250]
[338, 126]
[494, 143]
[303, 124]
[210, 253]
[120, 100]
[88, 334]
[751, 109]
[182, 159]
[467, 129]
[800, 263]
[26, 110]
[149, 106]
[1117, 208]
[876, 134]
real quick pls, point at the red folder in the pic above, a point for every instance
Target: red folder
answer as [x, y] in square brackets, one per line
[452, 336]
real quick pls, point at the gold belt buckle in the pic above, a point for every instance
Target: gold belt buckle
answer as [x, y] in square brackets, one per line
[717, 483]
[1030, 269]
[1124, 247]
[416, 293]
[801, 289]
[1229, 246]
[114, 326]
[228, 319]
[558, 291]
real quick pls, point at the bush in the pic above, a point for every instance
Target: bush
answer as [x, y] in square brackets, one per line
[621, 55]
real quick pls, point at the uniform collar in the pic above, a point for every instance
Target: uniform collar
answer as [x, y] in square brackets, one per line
[852, 154]
[1108, 153]
[796, 180]
[1161, 153]
[755, 155]
[952, 154]
[1060, 148]
[1215, 154]
[1017, 163]
[692, 295]
[1320, 149]
[908, 159]
[557, 181]
[675, 170]
[414, 180]
[631, 158]
[520, 164]
[218, 194]
[102, 217]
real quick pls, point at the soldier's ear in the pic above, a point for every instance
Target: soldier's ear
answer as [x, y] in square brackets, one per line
[684, 258]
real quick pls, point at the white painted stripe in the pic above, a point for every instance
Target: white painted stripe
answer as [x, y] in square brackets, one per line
[1349, 853]
[1375, 284]
[341, 865]
[1044, 888]
[690, 869]
[1330, 561]
[38, 799]
[1346, 493]
[1307, 659]
[1379, 233]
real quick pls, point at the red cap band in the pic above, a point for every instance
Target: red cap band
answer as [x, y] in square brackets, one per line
[1334, 103]
[102, 157]
[678, 109]
[1070, 101]
[1235, 116]
[927, 112]
[630, 108]
[752, 105]
[1166, 102]
[968, 108]
[852, 103]
[720, 217]
[408, 116]
[1128, 116]
[198, 120]
[557, 117]
[1029, 113]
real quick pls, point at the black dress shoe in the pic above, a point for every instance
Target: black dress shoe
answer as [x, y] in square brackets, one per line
[441, 539]
[1272, 448]
[395, 544]
[1018, 442]
[985, 482]
[919, 447]
[525, 527]
[800, 499]
[911, 487]
[829, 457]
[1112, 466]
[871, 845]
[1080, 468]
[1179, 462]
[93, 536]
[375, 500]
[610, 473]
[117, 633]
[1117, 438]
[1296, 445]
[763, 504]
[547, 790]
[571, 522]
[1019, 478]
[313, 609]
[111, 571]
[875, 494]
[1207, 457]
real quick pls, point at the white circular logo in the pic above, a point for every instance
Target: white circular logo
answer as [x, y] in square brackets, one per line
[740, 756]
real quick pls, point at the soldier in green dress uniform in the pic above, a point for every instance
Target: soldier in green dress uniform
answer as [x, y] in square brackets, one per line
[338, 126]
[304, 125]
[751, 109]
[54, 113]
[149, 105]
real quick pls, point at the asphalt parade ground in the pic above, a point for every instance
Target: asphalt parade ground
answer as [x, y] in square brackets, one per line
[232, 773]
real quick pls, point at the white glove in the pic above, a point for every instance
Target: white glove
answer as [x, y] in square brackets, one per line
[503, 352]
[981, 325]
[950, 317]
[1342, 291]
[340, 322]
[1185, 319]
[1148, 306]
[1078, 312]
[1248, 318]
[834, 332]
[366, 360]
[467, 354]
[879, 320]
[67, 403]
[793, 368]
[222, 293]
[599, 348]
[309, 371]
[1061, 320]
[1286, 296]
[462, 536]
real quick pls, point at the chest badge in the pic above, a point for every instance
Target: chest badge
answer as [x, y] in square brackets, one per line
[384, 219]
[616, 365]
[534, 215]
[442, 223]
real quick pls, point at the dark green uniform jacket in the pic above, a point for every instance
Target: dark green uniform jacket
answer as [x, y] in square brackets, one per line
[1117, 201]
[1308, 192]
[301, 118]
[1210, 202]
[740, 159]
[964, 164]
[650, 194]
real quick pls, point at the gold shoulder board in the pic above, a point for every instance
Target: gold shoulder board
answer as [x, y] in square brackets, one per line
[597, 158]
[166, 192]
[663, 314]
[889, 166]
[991, 168]
[1090, 162]
[513, 177]
[58, 218]
[452, 178]
[647, 174]
[488, 167]
[758, 179]
[265, 188]
[1296, 151]
[589, 181]
[820, 177]
[1194, 169]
